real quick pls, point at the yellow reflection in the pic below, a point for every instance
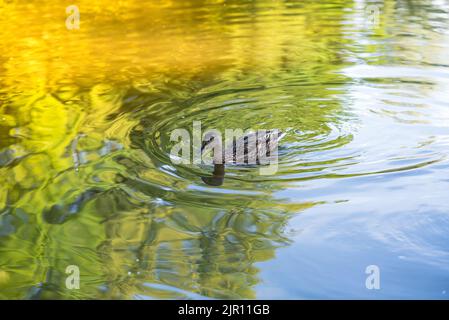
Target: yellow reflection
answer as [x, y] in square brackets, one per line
[59, 91]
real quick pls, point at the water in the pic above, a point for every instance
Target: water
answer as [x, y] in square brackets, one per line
[87, 180]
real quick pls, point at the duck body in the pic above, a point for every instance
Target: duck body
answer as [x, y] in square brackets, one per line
[253, 148]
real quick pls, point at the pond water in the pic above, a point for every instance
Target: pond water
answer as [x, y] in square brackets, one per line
[359, 87]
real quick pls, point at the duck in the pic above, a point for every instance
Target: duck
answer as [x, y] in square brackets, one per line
[253, 148]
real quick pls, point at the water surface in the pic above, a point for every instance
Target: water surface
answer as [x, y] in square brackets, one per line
[86, 177]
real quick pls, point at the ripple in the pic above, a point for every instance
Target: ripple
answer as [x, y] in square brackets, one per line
[85, 125]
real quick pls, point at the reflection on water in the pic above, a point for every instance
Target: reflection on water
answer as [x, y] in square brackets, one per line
[85, 123]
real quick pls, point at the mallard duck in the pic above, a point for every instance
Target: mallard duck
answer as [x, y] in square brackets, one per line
[254, 148]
